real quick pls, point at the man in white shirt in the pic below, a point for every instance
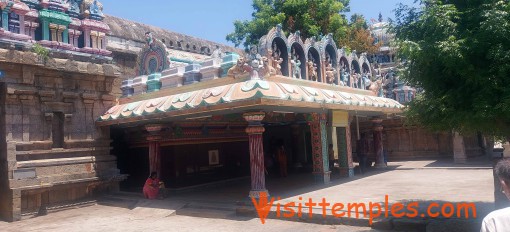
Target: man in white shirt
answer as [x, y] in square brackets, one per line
[499, 220]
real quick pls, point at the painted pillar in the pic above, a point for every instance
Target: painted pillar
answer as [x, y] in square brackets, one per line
[319, 147]
[94, 39]
[60, 32]
[22, 24]
[103, 41]
[255, 130]
[459, 150]
[155, 157]
[341, 140]
[345, 150]
[32, 30]
[154, 148]
[53, 29]
[378, 143]
[86, 38]
[289, 66]
[5, 20]
[65, 36]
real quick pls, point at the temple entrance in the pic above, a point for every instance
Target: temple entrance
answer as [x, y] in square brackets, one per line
[295, 139]
[183, 162]
[187, 163]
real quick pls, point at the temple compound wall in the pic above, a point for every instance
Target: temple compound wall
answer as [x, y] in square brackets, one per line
[57, 78]
[413, 142]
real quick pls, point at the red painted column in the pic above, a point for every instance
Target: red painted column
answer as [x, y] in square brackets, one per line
[378, 143]
[155, 157]
[154, 148]
[255, 130]
[319, 148]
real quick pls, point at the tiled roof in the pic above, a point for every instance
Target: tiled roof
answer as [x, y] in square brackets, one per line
[250, 90]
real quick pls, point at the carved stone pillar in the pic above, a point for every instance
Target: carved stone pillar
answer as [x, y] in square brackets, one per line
[94, 35]
[53, 29]
[27, 103]
[320, 148]
[22, 24]
[255, 130]
[101, 41]
[88, 101]
[60, 34]
[86, 38]
[459, 150]
[154, 148]
[378, 143]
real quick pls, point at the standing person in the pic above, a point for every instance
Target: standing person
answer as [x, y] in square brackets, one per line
[282, 158]
[499, 220]
[361, 152]
[151, 187]
[331, 154]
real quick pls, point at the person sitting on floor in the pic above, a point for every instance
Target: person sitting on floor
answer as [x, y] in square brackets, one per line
[151, 187]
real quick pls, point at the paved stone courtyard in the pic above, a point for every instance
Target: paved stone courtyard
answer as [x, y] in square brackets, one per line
[423, 181]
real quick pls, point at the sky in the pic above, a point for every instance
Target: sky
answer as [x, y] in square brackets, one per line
[213, 19]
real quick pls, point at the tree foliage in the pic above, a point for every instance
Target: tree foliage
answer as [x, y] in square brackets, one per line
[310, 17]
[458, 51]
[359, 37]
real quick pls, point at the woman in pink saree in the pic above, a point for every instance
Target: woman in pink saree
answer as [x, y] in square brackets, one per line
[151, 187]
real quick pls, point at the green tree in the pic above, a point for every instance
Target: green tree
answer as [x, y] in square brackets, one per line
[310, 17]
[359, 37]
[458, 52]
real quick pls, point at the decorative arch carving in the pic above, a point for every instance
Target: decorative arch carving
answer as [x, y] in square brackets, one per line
[365, 63]
[329, 41]
[354, 62]
[313, 54]
[297, 46]
[153, 58]
[276, 32]
[276, 41]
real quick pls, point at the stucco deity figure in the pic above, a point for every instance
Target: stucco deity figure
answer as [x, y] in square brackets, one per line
[376, 87]
[95, 9]
[254, 55]
[238, 69]
[296, 66]
[359, 78]
[255, 63]
[365, 79]
[267, 69]
[330, 73]
[217, 53]
[353, 79]
[277, 60]
[312, 70]
[149, 39]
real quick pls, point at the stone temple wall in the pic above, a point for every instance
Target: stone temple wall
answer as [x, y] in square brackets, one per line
[53, 153]
[407, 143]
[127, 39]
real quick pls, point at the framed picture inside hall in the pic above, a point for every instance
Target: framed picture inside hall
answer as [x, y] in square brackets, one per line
[214, 157]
